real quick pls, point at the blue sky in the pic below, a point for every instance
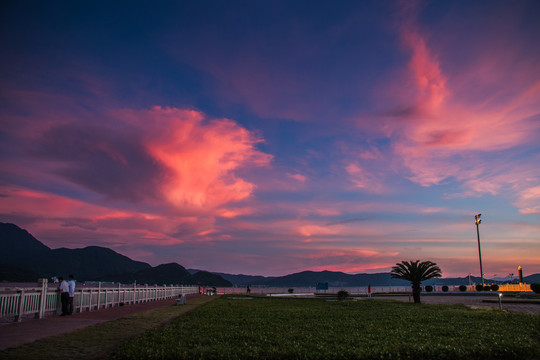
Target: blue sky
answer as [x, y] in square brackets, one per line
[274, 137]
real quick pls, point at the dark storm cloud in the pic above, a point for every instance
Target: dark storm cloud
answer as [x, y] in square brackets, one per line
[100, 158]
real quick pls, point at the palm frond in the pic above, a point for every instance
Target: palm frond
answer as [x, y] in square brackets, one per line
[415, 271]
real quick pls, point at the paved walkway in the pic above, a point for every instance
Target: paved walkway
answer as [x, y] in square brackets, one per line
[15, 334]
[470, 301]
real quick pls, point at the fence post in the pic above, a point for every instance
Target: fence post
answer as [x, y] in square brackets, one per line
[90, 306]
[118, 304]
[81, 302]
[99, 295]
[21, 306]
[43, 298]
[146, 293]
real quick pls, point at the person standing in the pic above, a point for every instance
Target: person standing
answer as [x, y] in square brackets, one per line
[64, 295]
[71, 293]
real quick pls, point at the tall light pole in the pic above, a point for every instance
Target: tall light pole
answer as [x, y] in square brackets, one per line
[477, 221]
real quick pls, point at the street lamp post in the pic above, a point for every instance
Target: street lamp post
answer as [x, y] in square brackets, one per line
[477, 221]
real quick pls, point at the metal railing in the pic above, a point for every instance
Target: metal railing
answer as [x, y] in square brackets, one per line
[43, 301]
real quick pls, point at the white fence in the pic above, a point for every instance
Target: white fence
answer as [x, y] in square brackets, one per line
[44, 301]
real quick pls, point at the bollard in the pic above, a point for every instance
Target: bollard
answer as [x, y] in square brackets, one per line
[181, 300]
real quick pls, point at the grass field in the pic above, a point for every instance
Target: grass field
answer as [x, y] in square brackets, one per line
[96, 342]
[316, 329]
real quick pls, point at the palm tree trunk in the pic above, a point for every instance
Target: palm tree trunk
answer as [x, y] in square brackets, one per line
[416, 292]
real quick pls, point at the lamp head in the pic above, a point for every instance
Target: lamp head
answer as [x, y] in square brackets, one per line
[477, 219]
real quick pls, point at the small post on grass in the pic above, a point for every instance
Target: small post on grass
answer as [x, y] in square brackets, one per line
[500, 301]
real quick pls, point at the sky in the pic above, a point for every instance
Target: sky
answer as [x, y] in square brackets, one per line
[272, 137]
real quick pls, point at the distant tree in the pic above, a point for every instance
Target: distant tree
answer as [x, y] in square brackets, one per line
[342, 294]
[416, 272]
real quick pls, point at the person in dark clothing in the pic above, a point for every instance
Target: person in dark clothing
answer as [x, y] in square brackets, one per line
[71, 292]
[64, 295]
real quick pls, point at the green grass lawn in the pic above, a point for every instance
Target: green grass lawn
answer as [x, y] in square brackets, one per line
[97, 341]
[316, 329]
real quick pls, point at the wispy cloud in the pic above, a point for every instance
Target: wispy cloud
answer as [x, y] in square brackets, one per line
[346, 221]
[444, 137]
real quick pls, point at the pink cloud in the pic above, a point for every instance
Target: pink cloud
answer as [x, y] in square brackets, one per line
[298, 177]
[86, 223]
[529, 200]
[231, 213]
[314, 230]
[199, 156]
[425, 68]
[444, 136]
[365, 180]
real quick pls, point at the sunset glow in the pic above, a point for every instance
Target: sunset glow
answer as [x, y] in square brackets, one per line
[268, 138]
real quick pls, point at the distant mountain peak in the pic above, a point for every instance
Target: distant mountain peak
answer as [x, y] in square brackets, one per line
[17, 242]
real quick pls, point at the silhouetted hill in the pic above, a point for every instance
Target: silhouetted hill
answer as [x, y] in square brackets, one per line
[534, 278]
[171, 273]
[13, 273]
[240, 279]
[340, 279]
[88, 263]
[167, 274]
[34, 260]
[208, 279]
[334, 279]
[27, 253]
[17, 243]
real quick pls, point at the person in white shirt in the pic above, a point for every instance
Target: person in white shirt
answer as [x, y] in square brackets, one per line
[64, 295]
[71, 293]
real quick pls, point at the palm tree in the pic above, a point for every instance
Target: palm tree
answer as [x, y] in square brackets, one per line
[415, 272]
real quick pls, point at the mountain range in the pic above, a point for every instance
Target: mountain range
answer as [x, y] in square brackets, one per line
[340, 279]
[24, 258]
